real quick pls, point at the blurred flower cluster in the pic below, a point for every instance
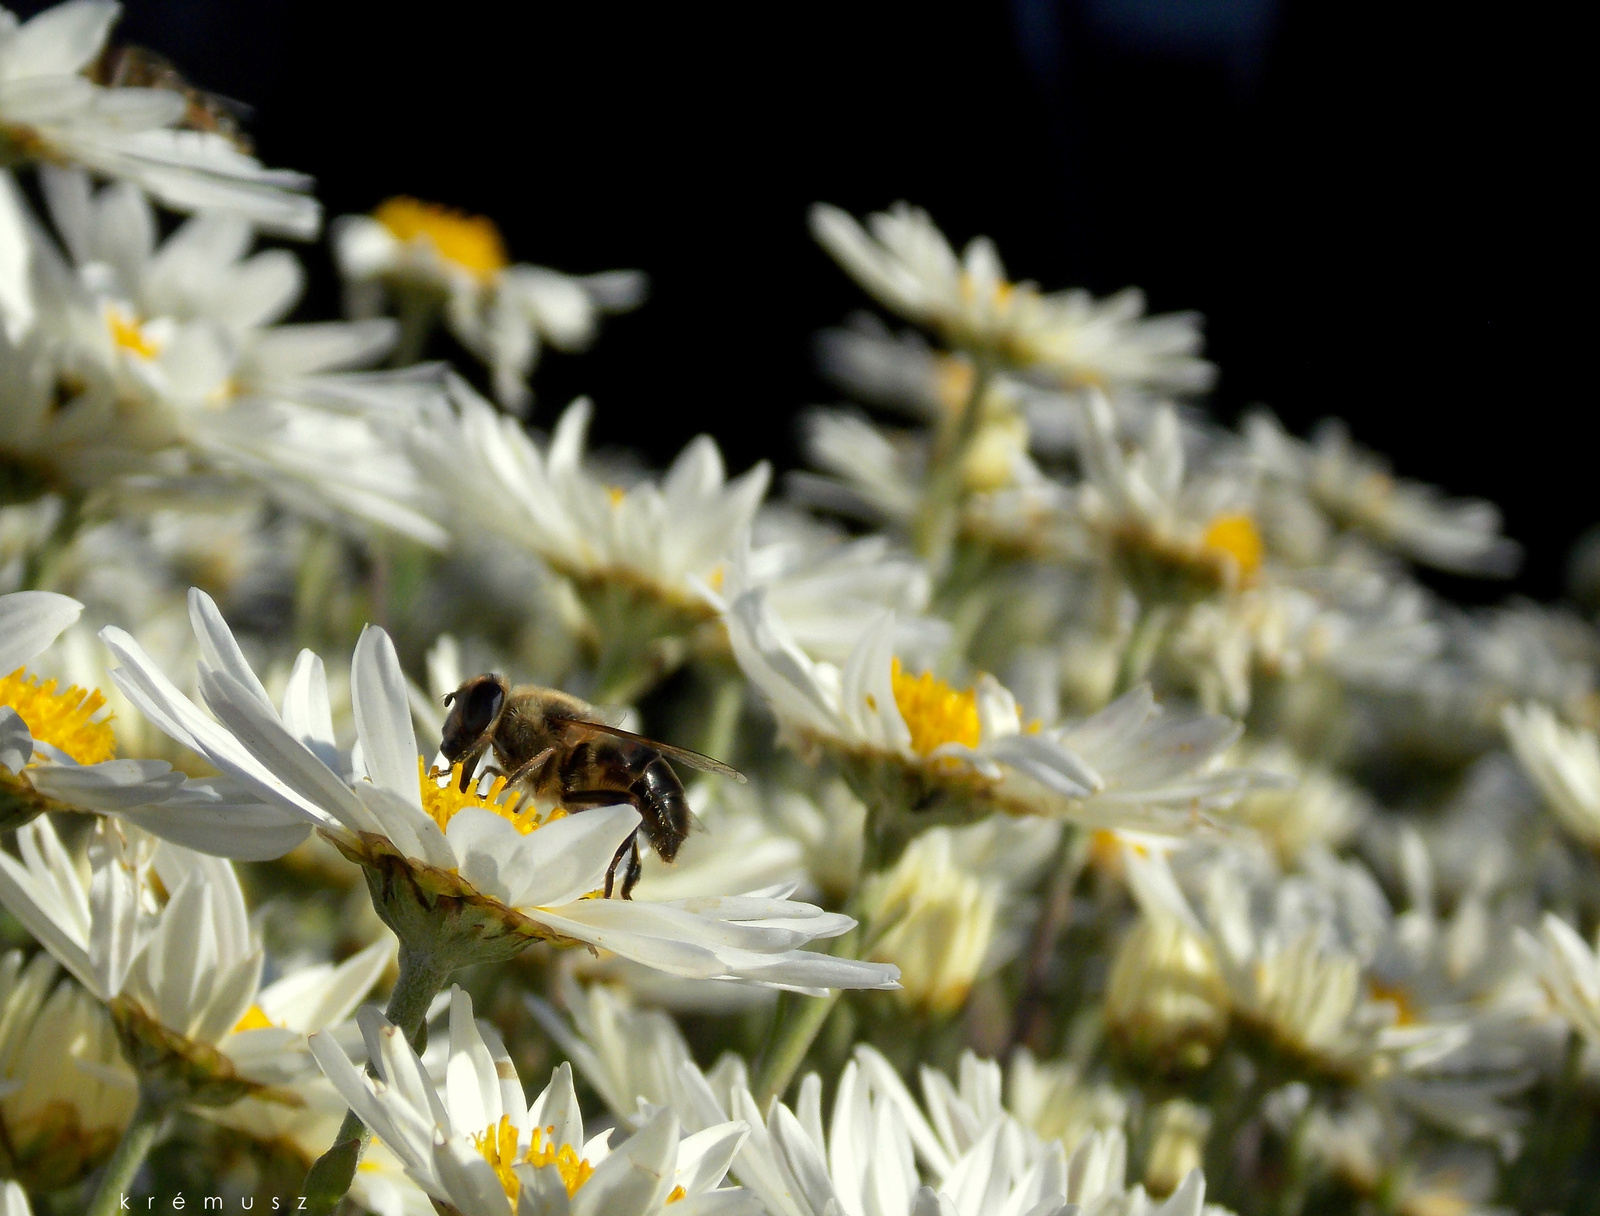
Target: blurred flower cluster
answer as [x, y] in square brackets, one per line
[1049, 801]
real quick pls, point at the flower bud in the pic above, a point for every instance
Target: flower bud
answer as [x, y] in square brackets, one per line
[1166, 1003]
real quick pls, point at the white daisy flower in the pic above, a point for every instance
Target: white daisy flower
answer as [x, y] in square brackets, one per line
[901, 372]
[51, 112]
[509, 871]
[1569, 971]
[639, 1063]
[950, 904]
[974, 1158]
[1563, 763]
[165, 359]
[828, 588]
[435, 259]
[1291, 954]
[1173, 534]
[1127, 766]
[57, 751]
[193, 321]
[182, 979]
[1055, 1101]
[884, 478]
[1314, 808]
[65, 1092]
[640, 558]
[1357, 490]
[476, 1144]
[907, 263]
[1302, 961]
[658, 536]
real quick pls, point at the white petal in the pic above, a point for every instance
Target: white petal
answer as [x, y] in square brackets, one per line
[636, 1178]
[383, 715]
[29, 622]
[567, 859]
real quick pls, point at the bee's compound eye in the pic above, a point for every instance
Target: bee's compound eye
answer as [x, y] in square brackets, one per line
[477, 703]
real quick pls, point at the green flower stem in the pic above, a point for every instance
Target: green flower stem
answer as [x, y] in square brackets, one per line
[721, 721]
[1143, 642]
[1032, 1022]
[935, 530]
[419, 309]
[422, 974]
[133, 1148]
[794, 1027]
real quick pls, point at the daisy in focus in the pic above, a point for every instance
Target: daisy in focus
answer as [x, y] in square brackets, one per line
[926, 746]
[58, 751]
[432, 260]
[478, 1145]
[485, 869]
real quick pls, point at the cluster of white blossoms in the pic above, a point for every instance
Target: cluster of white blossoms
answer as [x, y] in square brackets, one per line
[1050, 802]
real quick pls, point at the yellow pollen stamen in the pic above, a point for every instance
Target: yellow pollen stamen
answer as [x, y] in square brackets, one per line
[444, 801]
[677, 1193]
[1002, 290]
[1236, 537]
[616, 494]
[1106, 851]
[64, 720]
[498, 1145]
[255, 1018]
[934, 712]
[471, 242]
[1405, 1011]
[126, 333]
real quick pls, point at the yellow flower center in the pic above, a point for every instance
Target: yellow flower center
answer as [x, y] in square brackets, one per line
[442, 802]
[934, 712]
[471, 242]
[498, 1144]
[64, 720]
[255, 1018]
[1236, 537]
[127, 334]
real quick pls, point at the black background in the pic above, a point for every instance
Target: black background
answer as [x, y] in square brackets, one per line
[1375, 206]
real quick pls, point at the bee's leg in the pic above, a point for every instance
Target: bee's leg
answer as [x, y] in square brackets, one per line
[530, 771]
[469, 768]
[631, 843]
[631, 880]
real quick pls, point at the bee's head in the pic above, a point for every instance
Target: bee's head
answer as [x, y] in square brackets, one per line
[474, 710]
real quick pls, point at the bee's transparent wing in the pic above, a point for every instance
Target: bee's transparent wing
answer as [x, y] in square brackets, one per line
[681, 755]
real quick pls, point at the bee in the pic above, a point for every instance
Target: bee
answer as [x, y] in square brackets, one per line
[559, 747]
[137, 67]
